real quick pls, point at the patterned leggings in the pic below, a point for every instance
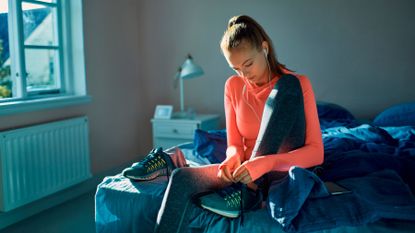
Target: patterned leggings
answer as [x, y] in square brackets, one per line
[282, 129]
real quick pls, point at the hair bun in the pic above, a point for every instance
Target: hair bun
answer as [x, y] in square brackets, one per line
[239, 19]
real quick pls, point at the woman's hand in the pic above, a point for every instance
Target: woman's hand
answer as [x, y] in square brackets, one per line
[241, 174]
[227, 167]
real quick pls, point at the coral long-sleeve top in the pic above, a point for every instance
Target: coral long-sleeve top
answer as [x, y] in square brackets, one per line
[243, 123]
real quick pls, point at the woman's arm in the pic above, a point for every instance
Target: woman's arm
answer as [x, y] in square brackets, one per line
[234, 138]
[235, 151]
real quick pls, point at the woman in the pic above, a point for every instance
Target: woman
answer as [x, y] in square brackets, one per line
[263, 115]
[272, 125]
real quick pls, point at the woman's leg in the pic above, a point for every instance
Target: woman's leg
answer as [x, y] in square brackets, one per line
[282, 126]
[183, 184]
[283, 120]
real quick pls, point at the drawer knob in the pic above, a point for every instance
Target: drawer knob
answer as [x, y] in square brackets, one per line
[175, 131]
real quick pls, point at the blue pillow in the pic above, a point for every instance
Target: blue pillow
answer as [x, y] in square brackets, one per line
[210, 144]
[330, 111]
[334, 115]
[397, 115]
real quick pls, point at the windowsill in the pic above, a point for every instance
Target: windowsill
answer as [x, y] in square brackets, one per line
[13, 107]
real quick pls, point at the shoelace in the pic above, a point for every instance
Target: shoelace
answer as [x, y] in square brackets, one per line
[154, 162]
[233, 199]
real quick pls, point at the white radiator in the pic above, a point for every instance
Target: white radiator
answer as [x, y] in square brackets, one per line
[39, 160]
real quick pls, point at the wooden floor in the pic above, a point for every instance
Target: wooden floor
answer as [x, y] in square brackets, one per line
[74, 216]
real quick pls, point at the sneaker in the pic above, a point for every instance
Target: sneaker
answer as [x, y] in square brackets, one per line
[231, 201]
[156, 163]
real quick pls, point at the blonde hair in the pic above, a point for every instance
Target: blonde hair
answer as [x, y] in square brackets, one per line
[244, 28]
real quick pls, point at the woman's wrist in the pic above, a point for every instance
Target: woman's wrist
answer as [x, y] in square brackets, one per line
[229, 161]
[233, 158]
[259, 166]
[233, 151]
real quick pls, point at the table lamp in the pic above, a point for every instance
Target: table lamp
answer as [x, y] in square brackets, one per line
[188, 70]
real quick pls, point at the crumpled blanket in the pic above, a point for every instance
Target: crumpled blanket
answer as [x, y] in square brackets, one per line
[301, 203]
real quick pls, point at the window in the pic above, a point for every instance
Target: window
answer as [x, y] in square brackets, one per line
[37, 49]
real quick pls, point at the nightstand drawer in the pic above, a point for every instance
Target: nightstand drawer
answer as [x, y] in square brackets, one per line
[175, 130]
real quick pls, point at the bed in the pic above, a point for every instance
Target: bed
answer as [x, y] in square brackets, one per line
[375, 160]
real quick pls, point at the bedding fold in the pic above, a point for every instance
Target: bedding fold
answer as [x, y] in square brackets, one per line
[301, 203]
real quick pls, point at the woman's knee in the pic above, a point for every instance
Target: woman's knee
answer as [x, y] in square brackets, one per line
[178, 172]
[289, 84]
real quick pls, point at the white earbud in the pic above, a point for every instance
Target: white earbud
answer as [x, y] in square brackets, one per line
[265, 52]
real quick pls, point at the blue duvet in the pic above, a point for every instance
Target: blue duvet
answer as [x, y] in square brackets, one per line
[353, 152]
[375, 163]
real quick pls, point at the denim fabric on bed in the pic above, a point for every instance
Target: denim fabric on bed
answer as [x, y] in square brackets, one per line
[210, 144]
[287, 197]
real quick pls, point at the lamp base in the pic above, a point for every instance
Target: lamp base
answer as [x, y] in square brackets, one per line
[190, 114]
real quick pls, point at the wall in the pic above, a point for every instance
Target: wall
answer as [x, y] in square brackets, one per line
[118, 114]
[357, 53]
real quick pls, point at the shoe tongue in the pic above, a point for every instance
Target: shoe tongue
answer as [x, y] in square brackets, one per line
[149, 157]
[158, 150]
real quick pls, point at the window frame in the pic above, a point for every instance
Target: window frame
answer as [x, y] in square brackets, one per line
[72, 71]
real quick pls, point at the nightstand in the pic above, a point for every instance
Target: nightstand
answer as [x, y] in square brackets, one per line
[174, 131]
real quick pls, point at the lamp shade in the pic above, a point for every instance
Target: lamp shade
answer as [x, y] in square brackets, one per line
[189, 69]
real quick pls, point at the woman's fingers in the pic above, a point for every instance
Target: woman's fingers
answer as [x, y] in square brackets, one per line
[246, 179]
[228, 174]
[241, 174]
[225, 174]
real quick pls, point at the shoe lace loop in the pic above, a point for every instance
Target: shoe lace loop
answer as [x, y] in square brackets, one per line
[233, 199]
[154, 162]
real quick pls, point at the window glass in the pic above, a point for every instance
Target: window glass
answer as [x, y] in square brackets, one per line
[39, 24]
[5, 78]
[42, 67]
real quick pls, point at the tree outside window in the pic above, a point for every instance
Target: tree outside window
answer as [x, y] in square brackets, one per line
[5, 82]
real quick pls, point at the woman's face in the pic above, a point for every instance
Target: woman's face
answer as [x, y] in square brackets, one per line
[248, 62]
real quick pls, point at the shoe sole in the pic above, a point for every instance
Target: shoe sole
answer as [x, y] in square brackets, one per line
[225, 214]
[142, 178]
[234, 214]
[146, 178]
